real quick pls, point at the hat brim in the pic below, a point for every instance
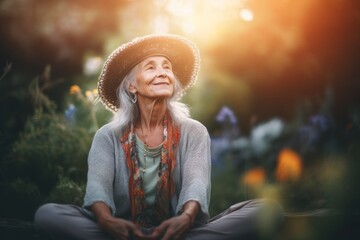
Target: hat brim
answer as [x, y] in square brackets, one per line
[183, 55]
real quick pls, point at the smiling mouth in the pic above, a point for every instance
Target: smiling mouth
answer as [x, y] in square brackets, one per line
[162, 83]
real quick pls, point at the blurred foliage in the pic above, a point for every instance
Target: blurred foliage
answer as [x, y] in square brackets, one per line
[48, 160]
[67, 191]
[19, 198]
[291, 52]
[226, 188]
[210, 94]
[39, 33]
[58, 33]
[307, 163]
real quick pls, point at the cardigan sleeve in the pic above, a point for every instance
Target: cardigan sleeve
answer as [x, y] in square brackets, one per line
[195, 169]
[100, 178]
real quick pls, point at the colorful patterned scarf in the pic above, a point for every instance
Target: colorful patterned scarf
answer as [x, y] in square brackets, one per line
[143, 215]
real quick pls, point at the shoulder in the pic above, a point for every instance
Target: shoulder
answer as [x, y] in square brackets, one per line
[192, 126]
[107, 131]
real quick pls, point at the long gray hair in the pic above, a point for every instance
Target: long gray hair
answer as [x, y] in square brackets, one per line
[128, 112]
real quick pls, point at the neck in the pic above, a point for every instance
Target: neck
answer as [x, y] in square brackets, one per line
[152, 114]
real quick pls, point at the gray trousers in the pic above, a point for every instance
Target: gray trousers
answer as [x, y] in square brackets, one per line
[253, 219]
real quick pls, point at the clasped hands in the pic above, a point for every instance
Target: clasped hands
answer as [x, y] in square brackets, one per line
[174, 228]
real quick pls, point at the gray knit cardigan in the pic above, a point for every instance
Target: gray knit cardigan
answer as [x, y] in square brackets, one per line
[108, 174]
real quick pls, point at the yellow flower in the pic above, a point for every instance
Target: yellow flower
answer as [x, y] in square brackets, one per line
[289, 166]
[88, 93]
[74, 89]
[95, 92]
[90, 96]
[254, 177]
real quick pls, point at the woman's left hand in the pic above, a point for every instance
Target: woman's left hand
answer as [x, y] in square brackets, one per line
[174, 228]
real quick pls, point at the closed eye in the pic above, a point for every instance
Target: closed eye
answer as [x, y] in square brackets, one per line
[149, 67]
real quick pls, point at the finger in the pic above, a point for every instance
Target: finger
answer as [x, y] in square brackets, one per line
[175, 233]
[138, 233]
[170, 233]
[158, 232]
[161, 228]
[135, 230]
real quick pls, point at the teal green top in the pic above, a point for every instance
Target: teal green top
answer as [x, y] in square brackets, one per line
[149, 159]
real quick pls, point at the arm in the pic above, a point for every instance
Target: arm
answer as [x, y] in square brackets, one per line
[101, 166]
[99, 189]
[191, 209]
[195, 171]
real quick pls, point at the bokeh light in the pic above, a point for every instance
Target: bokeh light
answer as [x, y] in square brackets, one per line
[246, 15]
[289, 166]
[254, 177]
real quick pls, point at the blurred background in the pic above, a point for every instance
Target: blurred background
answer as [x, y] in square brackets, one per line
[278, 91]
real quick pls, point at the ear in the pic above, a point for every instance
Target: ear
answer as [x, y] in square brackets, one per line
[132, 89]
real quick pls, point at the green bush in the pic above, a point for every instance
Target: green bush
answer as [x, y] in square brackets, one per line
[19, 199]
[67, 192]
[49, 147]
[48, 161]
[225, 188]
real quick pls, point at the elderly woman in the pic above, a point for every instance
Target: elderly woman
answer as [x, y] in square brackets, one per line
[149, 169]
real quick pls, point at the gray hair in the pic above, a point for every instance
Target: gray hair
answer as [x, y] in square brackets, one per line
[128, 111]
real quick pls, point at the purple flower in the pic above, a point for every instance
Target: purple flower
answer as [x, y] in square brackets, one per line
[70, 113]
[310, 134]
[226, 115]
[320, 122]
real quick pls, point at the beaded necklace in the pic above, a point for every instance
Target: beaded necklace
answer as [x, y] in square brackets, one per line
[148, 153]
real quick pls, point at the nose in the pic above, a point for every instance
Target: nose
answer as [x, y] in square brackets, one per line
[162, 73]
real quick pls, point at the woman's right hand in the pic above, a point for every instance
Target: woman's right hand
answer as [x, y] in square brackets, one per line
[120, 229]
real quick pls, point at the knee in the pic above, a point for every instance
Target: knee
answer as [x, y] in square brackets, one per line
[45, 216]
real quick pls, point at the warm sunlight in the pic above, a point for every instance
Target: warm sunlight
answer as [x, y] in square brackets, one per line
[246, 15]
[198, 18]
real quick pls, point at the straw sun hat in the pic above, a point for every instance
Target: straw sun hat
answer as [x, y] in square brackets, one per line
[183, 55]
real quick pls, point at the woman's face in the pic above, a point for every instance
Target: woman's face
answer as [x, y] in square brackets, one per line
[154, 78]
